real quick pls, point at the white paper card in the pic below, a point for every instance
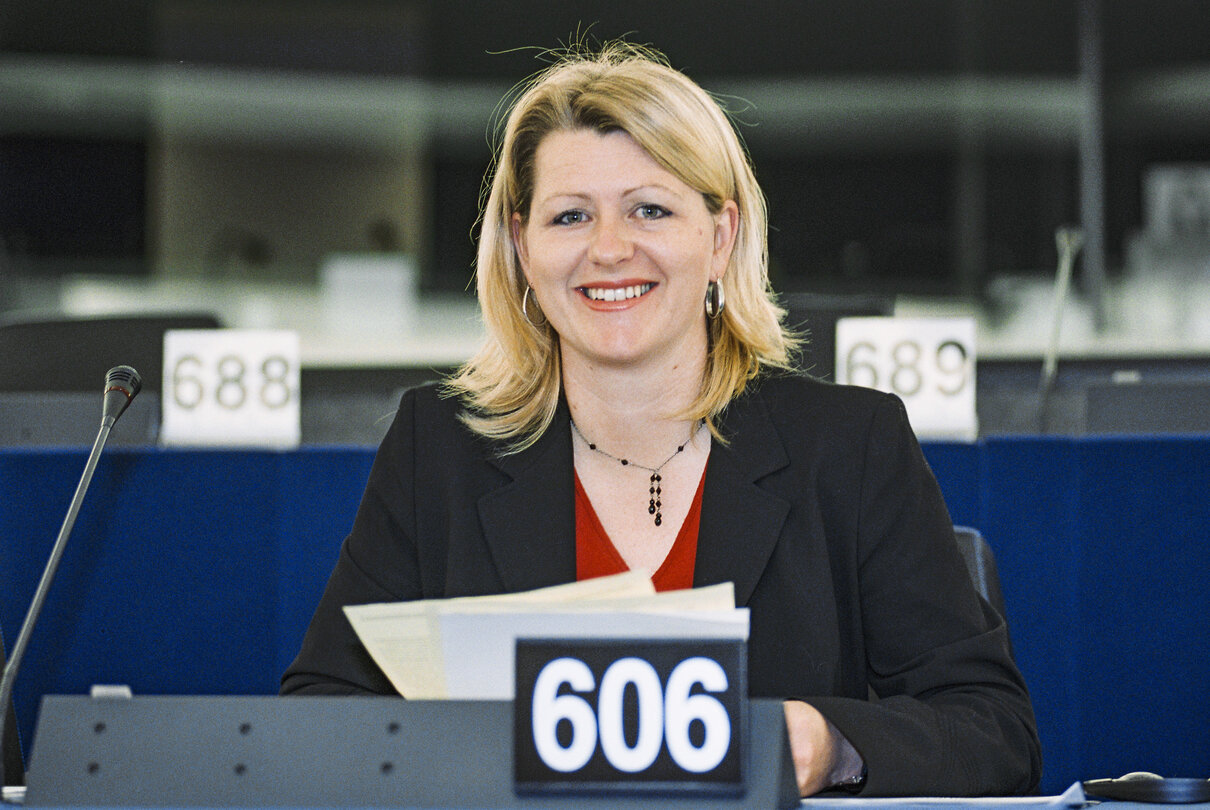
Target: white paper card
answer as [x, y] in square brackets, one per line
[231, 388]
[411, 641]
[478, 648]
[928, 362]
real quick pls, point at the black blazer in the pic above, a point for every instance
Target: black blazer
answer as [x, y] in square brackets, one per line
[819, 507]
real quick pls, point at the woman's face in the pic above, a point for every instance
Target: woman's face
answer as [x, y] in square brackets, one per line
[619, 251]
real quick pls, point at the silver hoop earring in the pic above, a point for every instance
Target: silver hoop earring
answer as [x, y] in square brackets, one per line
[525, 309]
[715, 300]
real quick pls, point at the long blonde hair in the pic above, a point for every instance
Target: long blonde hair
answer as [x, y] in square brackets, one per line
[511, 386]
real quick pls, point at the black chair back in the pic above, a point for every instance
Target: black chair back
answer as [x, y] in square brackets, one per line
[73, 354]
[815, 315]
[981, 564]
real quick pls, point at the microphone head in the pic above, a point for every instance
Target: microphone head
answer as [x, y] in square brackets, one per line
[121, 385]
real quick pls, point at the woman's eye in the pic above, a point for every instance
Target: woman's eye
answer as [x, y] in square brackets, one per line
[569, 218]
[652, 211]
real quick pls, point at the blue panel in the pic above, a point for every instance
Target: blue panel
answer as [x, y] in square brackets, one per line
[956, 466]
[163, 584]
[1030, 516]
[196, 572]
[1145, 605]
[323, 487]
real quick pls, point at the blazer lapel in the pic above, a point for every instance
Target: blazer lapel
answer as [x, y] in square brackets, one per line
[741, 522]
[529, 523]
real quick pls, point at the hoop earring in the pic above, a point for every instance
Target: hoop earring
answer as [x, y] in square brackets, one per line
[715, 300]
[525, 309]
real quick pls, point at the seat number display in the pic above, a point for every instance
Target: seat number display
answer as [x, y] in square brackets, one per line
[231, 388]
[929, 363]
[601, 716]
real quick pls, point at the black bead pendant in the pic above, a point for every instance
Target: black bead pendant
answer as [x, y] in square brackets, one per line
[653, 507]
[654, 504]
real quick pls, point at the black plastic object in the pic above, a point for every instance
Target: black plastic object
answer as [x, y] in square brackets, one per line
[1150, 788]
[356, 752]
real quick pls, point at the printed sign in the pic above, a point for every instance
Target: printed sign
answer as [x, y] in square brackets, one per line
[928, 362]
[230, 388]
[600, 716]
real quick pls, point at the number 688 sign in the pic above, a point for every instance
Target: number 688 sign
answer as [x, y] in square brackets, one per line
[928, 362]
[231, 387]
[596, 716]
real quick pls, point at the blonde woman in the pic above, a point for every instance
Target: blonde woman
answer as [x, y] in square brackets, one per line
[635, 408]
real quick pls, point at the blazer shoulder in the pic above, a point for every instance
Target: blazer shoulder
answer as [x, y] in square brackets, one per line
[428, 419]
[431, 408]
[800, 393]
[428, 397]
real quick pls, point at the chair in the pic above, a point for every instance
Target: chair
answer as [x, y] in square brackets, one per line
[816, 315]
[981, 565]
[73, 354]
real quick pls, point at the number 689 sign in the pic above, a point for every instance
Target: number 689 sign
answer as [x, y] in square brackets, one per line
[231, 387]
[928, 362]
[599, 717]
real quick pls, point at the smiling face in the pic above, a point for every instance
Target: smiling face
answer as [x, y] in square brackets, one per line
[619, 251]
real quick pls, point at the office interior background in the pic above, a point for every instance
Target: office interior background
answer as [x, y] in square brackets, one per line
[227, 159]
[161, 155]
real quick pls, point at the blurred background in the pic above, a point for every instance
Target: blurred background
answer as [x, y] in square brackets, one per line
[315, 165]
[255, 161]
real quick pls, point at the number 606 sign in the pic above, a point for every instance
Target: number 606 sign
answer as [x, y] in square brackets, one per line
[599, 716]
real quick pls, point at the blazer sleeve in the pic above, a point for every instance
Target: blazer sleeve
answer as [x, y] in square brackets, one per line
[951, 713]
[378, 562]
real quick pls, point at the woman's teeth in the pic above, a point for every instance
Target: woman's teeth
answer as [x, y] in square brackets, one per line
[616, 293]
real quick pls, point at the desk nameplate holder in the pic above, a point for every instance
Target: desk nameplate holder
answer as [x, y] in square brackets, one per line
[323, 751]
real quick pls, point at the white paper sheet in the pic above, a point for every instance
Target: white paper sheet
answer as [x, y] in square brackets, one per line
[478, 648]
[411, 642]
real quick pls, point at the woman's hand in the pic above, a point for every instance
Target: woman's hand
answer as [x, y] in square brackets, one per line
[823, 757]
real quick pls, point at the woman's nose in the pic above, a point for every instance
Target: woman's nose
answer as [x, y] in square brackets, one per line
[610, 242]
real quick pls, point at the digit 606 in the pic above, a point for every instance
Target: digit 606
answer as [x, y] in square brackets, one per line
[666, 715]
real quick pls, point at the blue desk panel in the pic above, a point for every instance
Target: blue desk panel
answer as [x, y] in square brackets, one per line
[195, 572]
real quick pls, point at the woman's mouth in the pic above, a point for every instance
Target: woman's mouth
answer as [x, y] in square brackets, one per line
[616, 293]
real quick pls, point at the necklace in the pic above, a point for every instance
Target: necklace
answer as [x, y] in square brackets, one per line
[653, 506]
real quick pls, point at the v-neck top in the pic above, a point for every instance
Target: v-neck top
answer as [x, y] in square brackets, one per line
[597, 556]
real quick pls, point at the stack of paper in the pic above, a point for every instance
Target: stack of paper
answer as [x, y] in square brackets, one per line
[463, 648]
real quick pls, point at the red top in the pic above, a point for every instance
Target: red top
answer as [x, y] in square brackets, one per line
[596, 555]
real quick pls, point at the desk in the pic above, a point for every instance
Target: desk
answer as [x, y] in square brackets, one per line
[196, 572]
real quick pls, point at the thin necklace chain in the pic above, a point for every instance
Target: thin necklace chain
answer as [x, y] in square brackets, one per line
[654, 490]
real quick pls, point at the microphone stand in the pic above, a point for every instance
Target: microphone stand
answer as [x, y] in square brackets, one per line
[122, 383]
[1068, 241]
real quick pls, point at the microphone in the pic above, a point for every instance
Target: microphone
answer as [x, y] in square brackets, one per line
[121, 385]
[1068, 240]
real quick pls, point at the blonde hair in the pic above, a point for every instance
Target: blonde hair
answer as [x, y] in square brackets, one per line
[511, 386]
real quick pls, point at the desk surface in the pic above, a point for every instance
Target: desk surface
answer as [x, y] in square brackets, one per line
[16, 795]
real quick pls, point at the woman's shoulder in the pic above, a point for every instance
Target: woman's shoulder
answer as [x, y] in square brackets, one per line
[430, 414]
[799, 390]
[816, 419]
[803, 406]
[430, 398]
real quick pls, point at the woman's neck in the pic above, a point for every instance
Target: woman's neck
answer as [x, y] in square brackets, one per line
[633, 412]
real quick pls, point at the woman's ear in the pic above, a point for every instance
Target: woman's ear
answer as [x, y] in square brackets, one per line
[726, 229]
[517, 231]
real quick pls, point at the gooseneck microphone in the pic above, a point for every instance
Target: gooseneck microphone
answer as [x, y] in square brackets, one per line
[121, 385]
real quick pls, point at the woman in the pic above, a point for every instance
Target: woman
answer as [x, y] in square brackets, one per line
[634, 408]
